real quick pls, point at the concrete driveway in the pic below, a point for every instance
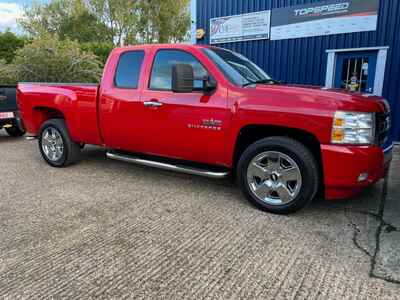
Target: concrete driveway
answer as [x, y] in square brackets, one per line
[108, 229]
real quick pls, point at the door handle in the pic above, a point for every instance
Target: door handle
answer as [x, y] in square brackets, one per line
[152, 103]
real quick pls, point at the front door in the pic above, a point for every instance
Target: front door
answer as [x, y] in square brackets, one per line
[355, 71]
[189, 126]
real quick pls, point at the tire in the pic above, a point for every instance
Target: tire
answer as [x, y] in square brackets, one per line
[15, 131]
[289, 188]
[66, 151]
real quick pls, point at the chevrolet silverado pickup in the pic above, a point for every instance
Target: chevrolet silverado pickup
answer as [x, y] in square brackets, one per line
[9, 115]
[212, 112]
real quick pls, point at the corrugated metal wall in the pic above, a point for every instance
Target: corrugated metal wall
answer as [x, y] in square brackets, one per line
[304, 60]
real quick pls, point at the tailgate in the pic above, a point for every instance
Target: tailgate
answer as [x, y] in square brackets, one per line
[8, 100]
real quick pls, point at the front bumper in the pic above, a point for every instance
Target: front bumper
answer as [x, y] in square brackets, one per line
[343, 166]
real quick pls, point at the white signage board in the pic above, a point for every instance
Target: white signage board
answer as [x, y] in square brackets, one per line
[324, 18]
[246, 27]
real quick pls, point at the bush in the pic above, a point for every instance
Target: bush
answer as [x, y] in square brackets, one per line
[7, 73]
[48, 59]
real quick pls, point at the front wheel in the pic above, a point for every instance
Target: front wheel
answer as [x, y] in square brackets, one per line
[278, 174]
[55, 144]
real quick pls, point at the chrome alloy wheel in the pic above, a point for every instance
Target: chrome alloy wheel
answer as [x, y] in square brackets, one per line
[274, 178]
[52, 144]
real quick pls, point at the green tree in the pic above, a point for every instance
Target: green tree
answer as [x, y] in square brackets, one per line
[50, 60]
[163, 21]
[83, 27]
[40, 18]
[110, 21]
[119, 15]
[69, 19]
[9, 43]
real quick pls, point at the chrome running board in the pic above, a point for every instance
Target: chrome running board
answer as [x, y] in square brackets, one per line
[167, 166]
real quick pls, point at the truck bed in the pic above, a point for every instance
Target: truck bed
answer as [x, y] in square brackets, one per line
[76, 103]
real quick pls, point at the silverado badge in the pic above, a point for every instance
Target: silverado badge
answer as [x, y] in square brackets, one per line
[210, 124]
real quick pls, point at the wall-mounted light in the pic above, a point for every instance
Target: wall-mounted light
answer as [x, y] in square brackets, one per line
[200, 34]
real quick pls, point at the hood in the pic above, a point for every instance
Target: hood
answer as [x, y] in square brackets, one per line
[331, 99]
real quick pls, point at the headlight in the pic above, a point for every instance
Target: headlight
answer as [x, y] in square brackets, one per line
[353, 128]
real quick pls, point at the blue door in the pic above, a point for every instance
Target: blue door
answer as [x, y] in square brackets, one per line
[355, 71]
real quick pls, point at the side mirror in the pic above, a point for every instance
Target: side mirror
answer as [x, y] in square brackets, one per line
[182, 78]
[209, 84]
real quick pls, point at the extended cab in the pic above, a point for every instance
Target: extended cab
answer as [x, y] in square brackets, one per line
[210, 111]
[9, 114]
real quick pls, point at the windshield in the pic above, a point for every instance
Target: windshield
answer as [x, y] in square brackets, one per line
[237, 69]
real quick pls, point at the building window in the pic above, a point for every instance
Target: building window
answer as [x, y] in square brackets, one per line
[357, 70]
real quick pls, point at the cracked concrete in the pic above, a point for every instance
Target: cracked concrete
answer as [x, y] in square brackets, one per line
[380, 239]
[108, 229]
[388, 255]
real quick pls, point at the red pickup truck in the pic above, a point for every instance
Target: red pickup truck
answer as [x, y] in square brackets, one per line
[210, 111]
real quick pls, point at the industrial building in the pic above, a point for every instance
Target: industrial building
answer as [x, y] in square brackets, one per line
[348, 44]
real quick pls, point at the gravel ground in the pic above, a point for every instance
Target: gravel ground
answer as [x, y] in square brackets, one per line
[108, 229]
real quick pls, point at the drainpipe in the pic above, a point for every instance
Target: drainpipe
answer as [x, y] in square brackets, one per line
[193, 18]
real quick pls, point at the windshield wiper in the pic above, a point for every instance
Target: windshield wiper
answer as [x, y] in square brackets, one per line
[261, 81]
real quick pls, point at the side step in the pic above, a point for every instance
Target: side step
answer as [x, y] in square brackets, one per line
[167, 166]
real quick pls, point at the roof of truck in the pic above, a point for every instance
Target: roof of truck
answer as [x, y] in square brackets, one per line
[172, 46]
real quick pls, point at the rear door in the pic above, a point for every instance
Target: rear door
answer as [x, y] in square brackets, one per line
[121, 110]
[189, 126]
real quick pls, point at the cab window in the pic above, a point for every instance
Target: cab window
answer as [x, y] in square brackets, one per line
[161, 74]
[128, 69]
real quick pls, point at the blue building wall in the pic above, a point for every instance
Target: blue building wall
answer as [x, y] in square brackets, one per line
[304, 60]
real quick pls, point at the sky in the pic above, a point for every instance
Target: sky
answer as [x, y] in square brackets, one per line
[10, 11]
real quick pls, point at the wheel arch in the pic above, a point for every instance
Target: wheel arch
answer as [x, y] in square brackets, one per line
[41, 114]
[253, 132]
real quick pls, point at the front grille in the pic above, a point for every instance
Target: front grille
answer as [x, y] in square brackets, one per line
[383, 124]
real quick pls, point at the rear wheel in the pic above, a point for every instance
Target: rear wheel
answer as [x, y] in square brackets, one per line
[55, 144]
[278, 174]
[15, 131]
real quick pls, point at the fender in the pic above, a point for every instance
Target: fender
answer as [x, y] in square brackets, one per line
[247, 111]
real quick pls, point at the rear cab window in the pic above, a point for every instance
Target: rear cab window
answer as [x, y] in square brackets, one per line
[164, 60]
[128, 69]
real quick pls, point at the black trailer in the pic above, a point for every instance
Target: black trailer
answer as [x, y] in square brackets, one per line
[9, 114]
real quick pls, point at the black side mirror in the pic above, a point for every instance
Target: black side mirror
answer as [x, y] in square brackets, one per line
[182, 78]
[209, 84]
